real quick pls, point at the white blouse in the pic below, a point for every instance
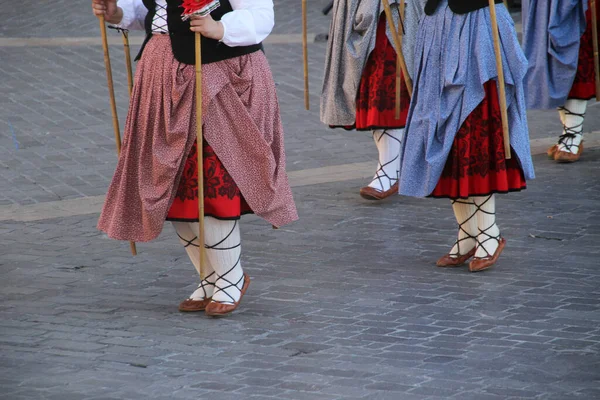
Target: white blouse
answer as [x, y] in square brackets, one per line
[250, 22]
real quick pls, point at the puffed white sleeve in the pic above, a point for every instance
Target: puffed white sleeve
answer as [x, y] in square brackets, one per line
[250, 22]
[134, 14]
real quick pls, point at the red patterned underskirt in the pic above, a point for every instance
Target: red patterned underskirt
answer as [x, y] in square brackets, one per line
[476, 165]
[222, 197]
[584, 86]
[376, 98]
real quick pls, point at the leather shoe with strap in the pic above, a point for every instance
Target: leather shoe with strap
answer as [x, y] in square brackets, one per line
[453, 260]
[370, 193]
[217, 309]
[191, 305]
[483, 263]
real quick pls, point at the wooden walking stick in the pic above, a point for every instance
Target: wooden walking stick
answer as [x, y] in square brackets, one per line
[502, 88]
[398, 45]
[398, 62]
[113, 103]
[200, 8]
[595, 44]
[305, 53]
[200, 152]
[125, 35]
[127, 51]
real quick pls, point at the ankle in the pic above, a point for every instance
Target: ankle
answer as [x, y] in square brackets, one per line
[228, 289]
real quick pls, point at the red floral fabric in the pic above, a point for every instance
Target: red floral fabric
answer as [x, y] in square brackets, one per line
[222, 197]
[376, 98]
[584, 86]
[376, 102]
[476, 165]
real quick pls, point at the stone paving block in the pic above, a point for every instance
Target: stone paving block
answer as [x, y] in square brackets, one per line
[334, 311]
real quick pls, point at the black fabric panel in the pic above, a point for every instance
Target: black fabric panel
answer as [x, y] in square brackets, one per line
[183, 40]
[458, 6]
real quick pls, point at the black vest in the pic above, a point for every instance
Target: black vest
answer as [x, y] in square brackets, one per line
[182, 38]
[458, 6]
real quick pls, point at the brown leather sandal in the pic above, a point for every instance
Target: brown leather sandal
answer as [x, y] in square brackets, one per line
[369, 193]
[217, 309]
[455, 260]
[190, 305]
[567, 156]
[483, 263]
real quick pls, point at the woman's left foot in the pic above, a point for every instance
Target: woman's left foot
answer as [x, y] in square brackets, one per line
[219, 309]
[190, 305]
[482, 263]
[562, 156]
[370, 193]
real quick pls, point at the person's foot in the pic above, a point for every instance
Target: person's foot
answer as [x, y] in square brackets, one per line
[371, 193]
[569, 152]
[200, 298]
[482, 263]
[229, 301]
[568, 149]
[455, 259]
[189, 305]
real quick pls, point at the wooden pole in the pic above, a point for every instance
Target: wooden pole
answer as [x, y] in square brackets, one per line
[305, 53]
[125, 35]
[199, 144]
[595, 44]
[398, 45]
[502, 88]
[399, 64]
[113, 103]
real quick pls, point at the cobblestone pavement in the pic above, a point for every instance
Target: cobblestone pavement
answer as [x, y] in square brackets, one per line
[334, 310]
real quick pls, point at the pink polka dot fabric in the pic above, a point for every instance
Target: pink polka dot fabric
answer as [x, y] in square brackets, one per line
[241, 123]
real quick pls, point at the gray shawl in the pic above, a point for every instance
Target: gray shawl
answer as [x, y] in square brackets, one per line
[351, 39]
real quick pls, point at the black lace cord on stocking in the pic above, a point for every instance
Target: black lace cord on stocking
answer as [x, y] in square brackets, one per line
[222, 277]
[204, 282]
[380, 169]
[462, 229]
[484, 231]
[571, 132]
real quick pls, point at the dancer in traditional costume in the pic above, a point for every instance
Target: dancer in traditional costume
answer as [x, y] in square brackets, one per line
[244, 159]
[454, 145]
[359, 89]
[558, 42]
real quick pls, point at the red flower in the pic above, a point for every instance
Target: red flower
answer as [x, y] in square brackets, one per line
[198, 7]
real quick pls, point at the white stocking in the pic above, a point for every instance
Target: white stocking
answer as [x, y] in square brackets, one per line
[488, 237]
[572, 115]
[388, 145]
[466, 217]
[223, 249]
[188, 236]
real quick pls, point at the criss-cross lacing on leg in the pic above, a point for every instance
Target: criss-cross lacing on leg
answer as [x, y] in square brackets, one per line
[188, 236]
[385, 181]
[388, 167]
[570, 143]
[464, 247]
[571, 138]
[206, 286]
[489, 241]
[223, 285]
[466, 217]
[224, 251]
